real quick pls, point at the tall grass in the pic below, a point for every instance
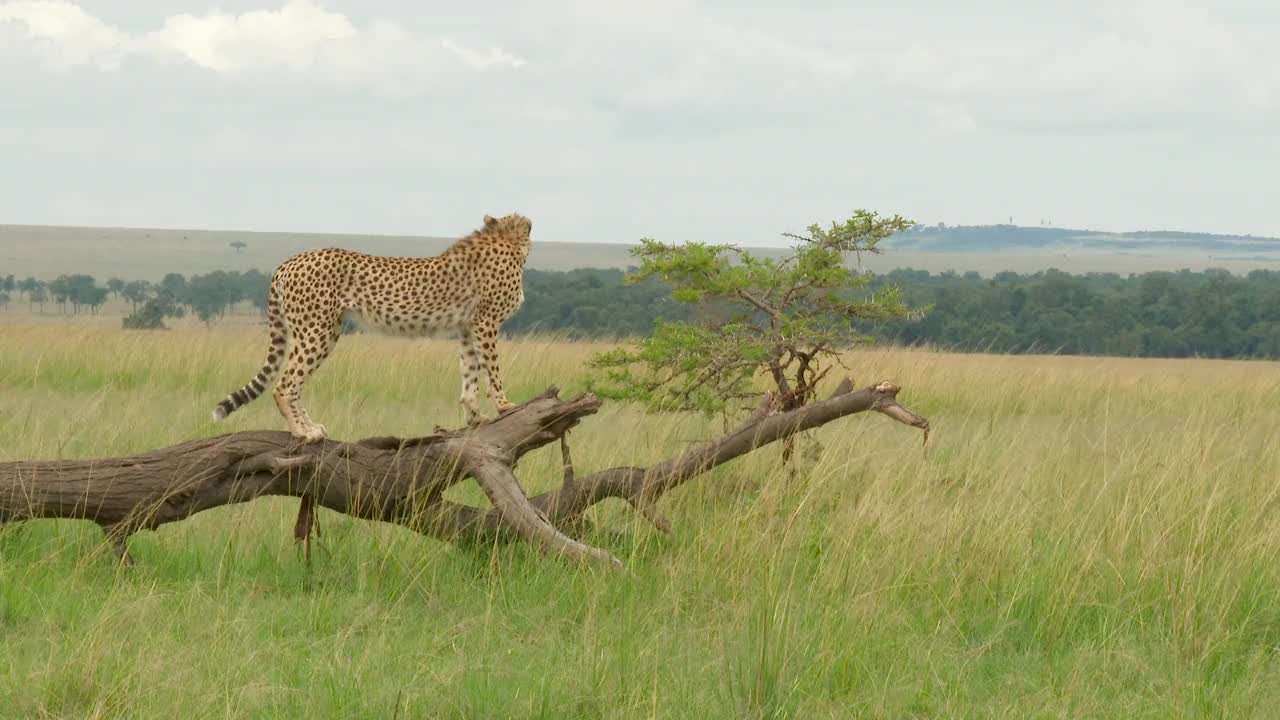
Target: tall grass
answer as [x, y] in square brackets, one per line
[1081, 538]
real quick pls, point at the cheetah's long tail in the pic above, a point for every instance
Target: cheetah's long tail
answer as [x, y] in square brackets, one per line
[265, 376]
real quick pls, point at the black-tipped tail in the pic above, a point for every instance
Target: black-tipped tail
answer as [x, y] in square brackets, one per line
[246, 394]
[265, 376]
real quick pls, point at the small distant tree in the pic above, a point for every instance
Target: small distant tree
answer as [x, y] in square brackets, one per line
[4, 301]
[116, 286]
[37, 295]
[238, 246]
[784, 319]
[60, 290]
[211, 295]
[152, 314]
[254, 286]
[28, 284]
[9, 284]
[176, 285]
[136, 292]
[94, 297]
[77, 289]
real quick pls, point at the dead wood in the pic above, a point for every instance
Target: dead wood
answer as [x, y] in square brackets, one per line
[398, 480]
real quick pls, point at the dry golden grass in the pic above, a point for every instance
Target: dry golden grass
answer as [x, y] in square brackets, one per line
[1083, 537]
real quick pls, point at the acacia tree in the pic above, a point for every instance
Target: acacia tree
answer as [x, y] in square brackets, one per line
[787, 319]
[136, 292]
[152, 314]
[37, 295]
[28, 285]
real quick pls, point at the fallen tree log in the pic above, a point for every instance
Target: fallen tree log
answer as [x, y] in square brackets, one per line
[396, 480]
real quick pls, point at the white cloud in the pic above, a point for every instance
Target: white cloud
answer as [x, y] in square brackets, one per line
[697, 61]
[301, 37]
[62, 34]
[668, 68]
[1152, 53]
[1131, 60]
[292, 37]
[480, 61]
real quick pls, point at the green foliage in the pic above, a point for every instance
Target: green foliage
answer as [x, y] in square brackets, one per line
[29, 285]
[79, 290]
[37, 295]
[210, 295]
[1157, 314]
[591, 303]
[136, 293]
[692, 367]
[786, 317]
[153, 313]
[175, 283]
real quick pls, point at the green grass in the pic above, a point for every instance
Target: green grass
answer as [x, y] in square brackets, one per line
[1081, 538]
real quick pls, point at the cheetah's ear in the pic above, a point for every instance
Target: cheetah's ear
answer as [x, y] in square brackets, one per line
[490, 221]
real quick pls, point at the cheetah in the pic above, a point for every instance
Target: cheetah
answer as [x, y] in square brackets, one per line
[467, 292]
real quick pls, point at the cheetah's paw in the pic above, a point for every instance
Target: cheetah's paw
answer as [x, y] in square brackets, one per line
[313, 434]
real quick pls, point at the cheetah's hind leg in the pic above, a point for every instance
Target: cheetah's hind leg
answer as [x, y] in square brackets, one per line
[311, 345]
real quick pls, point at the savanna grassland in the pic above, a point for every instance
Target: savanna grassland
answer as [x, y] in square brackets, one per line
[1081, 537]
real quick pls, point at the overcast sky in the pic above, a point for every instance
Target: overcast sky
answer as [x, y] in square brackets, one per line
[610, 121]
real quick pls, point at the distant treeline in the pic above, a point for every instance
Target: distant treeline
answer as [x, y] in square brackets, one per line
[1157, 314]
[208, 297]
[1211, 314]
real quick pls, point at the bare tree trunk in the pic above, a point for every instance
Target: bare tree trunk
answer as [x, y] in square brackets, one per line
[397, 480]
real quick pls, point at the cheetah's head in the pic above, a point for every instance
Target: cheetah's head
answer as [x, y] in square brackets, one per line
[514, 227]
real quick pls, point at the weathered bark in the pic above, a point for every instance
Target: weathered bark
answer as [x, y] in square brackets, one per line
[398, 480]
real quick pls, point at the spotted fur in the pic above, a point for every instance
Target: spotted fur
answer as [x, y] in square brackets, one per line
[469, 290]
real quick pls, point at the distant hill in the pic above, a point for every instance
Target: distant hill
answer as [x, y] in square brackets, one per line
[46, 251]
[148, 254]
[1003, 238]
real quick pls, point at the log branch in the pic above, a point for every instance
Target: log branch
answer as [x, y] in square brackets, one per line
[642, 487]
[400, 481]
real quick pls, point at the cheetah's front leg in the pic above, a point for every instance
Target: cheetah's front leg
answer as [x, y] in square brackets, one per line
[469, 365]
[487, 339]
